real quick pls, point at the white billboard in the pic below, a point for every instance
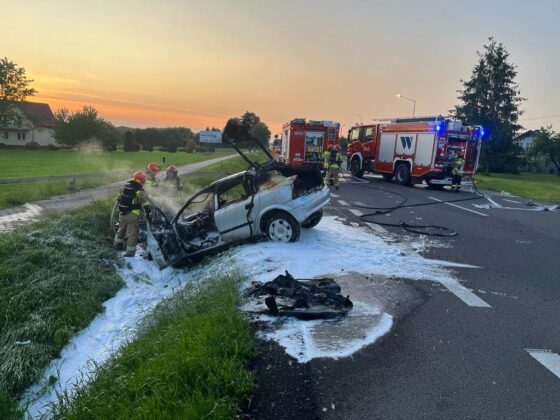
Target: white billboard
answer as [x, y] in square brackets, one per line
[210, 137]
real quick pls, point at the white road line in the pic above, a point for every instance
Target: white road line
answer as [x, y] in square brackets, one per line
[463, 293]
[378, 229]
[344, 203]
[356, 212]
[459, 207]
[548, 359]
[335, 195]
[359, 203]
[512, 201]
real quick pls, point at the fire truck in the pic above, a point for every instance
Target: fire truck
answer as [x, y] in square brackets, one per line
[303, 142]
[413, 150]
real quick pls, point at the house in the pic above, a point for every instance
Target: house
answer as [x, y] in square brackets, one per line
[531, 164]
[37, 126]
[525, 140]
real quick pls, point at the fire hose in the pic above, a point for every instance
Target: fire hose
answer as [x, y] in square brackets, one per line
[430, 230]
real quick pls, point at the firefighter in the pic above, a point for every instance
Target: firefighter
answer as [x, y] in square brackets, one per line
[326, 156]
[131, 203]
[152, 170]
[457, 172]
[172, 178]
[334, 162]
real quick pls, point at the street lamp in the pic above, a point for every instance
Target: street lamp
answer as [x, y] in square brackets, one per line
[411, 100]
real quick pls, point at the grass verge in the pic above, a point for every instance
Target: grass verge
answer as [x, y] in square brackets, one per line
[54, 277]
[188, 361]
[16, 194]
[544, 187]
[29, 163]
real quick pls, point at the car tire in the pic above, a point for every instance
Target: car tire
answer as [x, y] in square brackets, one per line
[313, 220]
[355, 168]
[388, 177]
[402, 174]
[280, 226]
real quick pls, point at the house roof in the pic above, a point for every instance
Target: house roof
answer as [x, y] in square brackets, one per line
[39, 113]
[530, 133]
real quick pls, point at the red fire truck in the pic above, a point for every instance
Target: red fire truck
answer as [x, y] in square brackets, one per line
[413, 149]
[303, 142]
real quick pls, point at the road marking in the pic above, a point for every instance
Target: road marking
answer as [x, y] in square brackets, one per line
[548, 359]
[459, 207]
[335, 195]
[512, 201]
[378, 229]
[356, 212]
[344, 203]
[463, 293]
[359, 203]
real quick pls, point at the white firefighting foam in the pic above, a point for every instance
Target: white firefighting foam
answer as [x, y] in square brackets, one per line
[331, 248]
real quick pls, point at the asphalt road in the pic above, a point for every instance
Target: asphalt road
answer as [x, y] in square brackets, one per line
[454, 354]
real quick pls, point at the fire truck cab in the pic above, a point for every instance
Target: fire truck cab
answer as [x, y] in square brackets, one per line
[414, 150]
[303, 142]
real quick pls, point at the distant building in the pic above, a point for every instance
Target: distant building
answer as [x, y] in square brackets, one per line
[531, 164]
[525, 140]
[37, 126]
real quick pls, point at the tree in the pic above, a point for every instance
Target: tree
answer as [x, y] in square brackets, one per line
[261, 132]
[547, 146]
[248, 126]
[75, 128]
[14, 87]
[491, 98]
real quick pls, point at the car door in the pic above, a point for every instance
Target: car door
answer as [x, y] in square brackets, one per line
[236, 212]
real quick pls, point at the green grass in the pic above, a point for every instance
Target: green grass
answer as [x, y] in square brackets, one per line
[32, 163]
[16, 194]
[542, 187]
[188, 362]
[54, 277]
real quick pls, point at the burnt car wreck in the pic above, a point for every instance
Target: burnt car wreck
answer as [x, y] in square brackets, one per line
[271, 200]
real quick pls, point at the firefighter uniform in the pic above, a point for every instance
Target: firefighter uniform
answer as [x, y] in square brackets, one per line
[457, 172]
[131, 201]
[326, 157]
[333, 167]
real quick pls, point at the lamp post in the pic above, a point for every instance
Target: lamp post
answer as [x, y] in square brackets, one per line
[411, 100]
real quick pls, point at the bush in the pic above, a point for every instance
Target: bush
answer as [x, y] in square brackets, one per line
[32, 145]
[190, 146]
[130, 145]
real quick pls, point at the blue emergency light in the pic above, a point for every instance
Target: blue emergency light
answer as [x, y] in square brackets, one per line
[438, 127]
[482, 132]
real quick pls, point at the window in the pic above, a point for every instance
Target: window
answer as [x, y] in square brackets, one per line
[21, 135]
[232, 195]
[5, 135]
[354, 134]
[369, 134]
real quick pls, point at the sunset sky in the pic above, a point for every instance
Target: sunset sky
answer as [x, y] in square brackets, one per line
[196, 63]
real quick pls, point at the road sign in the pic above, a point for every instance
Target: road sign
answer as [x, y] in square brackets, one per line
[210, 137]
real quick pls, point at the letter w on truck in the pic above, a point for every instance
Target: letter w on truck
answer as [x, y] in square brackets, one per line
[414, 150]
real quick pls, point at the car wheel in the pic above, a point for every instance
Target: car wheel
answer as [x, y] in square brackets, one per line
[313, 220]
[355, 168]
[402, 174]
[281, 227]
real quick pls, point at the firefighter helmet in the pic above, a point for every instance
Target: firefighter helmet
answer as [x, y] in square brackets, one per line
[153, 167]
[172, 169]
[337, 147]
[330, 147]
[461, 153]
[139, 176]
